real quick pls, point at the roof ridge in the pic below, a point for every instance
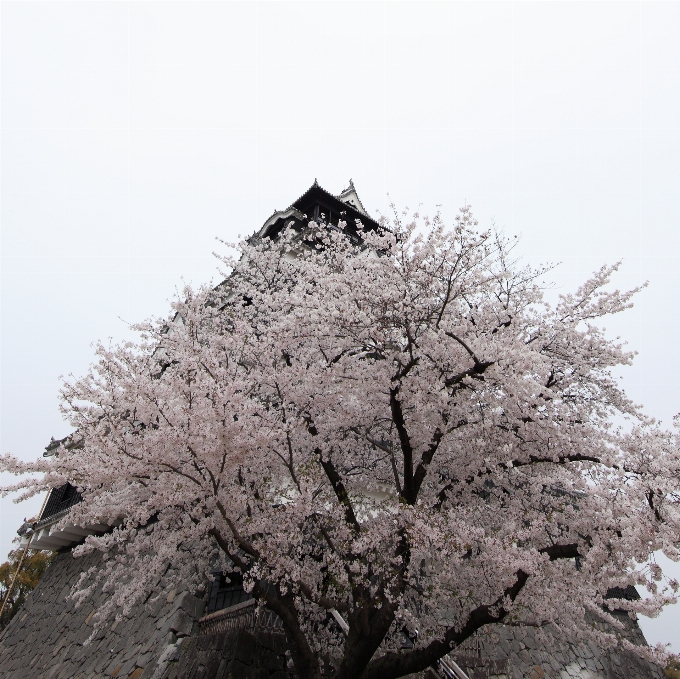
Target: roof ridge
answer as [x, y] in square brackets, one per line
[351, 188]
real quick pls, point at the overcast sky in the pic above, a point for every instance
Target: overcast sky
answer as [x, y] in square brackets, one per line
[134, 134]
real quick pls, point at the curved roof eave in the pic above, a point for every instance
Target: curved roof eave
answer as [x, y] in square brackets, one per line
[283, 214]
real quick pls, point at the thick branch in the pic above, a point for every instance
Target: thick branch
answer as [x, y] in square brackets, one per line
[406, 369]
[562, 459]
[421, 469]
[463, 344]
[304, 657]
[335, 479]
[477, 369]
[394, 665]
[179, 472]
[244, 544]
[441, 496]
[340, 490]
[322, 601]
[425, 460]
[224, 546]
[368, 625]
[405, 442]
[555, 552]
[652, 506]
[386, 449]
[533, 459]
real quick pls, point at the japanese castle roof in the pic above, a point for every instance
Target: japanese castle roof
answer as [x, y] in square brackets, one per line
[316, 201]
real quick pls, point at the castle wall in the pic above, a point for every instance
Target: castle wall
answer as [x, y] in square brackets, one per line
[231, 655]
[518, 653]
[46, 640]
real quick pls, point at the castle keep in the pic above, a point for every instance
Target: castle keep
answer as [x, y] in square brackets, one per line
[220, 631]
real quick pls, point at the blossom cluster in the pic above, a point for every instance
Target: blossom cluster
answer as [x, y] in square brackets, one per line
[397, 430]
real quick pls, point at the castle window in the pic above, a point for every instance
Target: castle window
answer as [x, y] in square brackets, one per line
[224, 594]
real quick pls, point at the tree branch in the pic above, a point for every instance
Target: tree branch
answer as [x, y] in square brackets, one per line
[477, 369]
[244, 544]
[562, 459]
[340, 490]
[335, 479]
[393, 665]
[462, 344]
[321, 601]
[425, 460]
[224, 546]
[386, 449]
[304, 657]
[405, 442]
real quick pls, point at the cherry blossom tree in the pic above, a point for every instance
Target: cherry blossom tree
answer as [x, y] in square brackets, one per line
[392, 430]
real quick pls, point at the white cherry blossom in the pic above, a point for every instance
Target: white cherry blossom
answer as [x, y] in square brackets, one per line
[397, 430]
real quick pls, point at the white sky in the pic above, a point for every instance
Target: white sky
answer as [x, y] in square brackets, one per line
[134, 134]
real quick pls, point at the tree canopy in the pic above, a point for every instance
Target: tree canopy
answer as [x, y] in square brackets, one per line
[397, 429]
[27, 577]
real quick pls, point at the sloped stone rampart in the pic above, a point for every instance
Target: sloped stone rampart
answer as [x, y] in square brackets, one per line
[237, 654]
[46, 639]
[518, 653]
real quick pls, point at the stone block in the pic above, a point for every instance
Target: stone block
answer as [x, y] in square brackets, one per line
[114, 668]
[268, 660]
[117, 646]
[238, 670]
[227, 641]
[169, 639]
[174, 653]
[103, 660]
[149, 671]
[279, 643]
[131, 651]
[143, 660]
[156, 608]
[170, 673]
[126, 629]
[67, 671]
[151, 641]
[244, 647]
[190, 604]
[127, 667]
[221, 667]
[264, 639]
[181, 623]
[211, 662]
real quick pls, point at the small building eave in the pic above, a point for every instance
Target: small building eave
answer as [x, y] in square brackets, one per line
[291, 213]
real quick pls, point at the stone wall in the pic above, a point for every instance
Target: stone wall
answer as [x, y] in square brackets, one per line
[517, 653]
[46, 639]
[232, 655]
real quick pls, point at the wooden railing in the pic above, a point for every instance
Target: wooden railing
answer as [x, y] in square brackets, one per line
[246, 615]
